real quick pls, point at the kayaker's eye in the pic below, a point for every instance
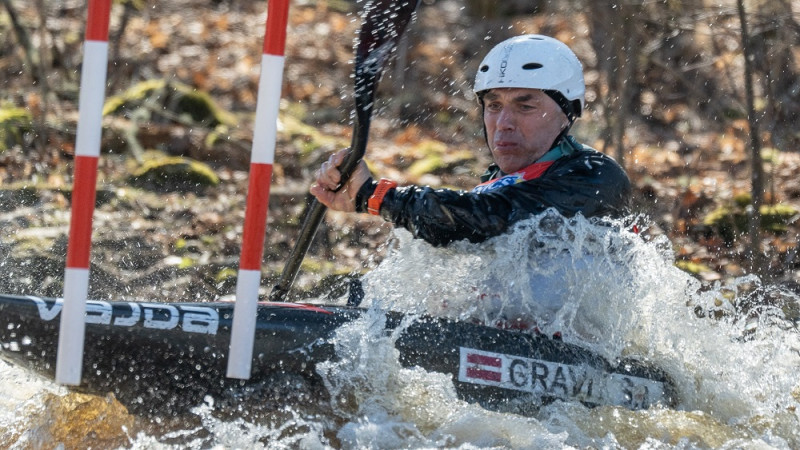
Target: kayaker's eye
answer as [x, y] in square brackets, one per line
[494, 106]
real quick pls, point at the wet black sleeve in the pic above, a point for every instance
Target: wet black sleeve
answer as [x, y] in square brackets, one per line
[588, 182]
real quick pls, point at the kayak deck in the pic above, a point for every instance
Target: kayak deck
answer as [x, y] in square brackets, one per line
[175, 354]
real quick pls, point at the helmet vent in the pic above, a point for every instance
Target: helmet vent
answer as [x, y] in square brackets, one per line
[484, 68]
[532, 66]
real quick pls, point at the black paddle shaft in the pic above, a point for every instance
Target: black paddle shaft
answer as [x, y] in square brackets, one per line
[383, 24]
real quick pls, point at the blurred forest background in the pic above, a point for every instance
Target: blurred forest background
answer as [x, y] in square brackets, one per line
[708, 137]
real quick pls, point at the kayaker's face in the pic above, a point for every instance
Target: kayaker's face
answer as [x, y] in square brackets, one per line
[521, 125]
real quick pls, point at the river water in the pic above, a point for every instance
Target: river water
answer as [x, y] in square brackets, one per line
[735, 367]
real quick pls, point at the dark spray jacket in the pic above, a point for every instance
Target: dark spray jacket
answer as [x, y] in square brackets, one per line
[571, 178]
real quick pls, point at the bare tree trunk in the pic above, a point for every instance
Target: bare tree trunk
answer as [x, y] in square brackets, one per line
[42, 69]
[37, 62]
[756, 169]
[615, 42]
[23, 37]
[626, 71]
[773, 35]
[602, 35]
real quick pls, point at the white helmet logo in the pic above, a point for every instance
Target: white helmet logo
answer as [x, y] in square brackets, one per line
[504, 64]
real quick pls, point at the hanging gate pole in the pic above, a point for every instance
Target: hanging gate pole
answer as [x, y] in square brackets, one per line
[255, 221]
[69, 362]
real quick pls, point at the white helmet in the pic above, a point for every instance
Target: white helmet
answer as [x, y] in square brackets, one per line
[536, 62]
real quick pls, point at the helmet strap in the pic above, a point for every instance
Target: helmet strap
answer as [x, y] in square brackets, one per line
[561, 136]
[567, 106]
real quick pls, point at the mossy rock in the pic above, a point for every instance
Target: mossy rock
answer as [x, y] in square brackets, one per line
[305, 137]
[770, 155]
[742, 200]
[177, 98]
[432, 160]
[174, 173]
[102, 196]
[225, 279]
[12, 198]
[692, 267]
[728, 221]
[14, 124]
[776, 218]
[19, 195]
[429, 164]
[436, 157]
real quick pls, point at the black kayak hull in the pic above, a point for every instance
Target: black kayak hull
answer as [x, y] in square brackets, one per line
[173, 355]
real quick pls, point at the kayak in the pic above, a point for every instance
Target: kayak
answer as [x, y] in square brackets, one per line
[172, 356]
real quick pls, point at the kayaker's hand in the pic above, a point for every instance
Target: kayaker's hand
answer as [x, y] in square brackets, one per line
[328, 179]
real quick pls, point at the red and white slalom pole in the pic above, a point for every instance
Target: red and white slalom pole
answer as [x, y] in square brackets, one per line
[255, 220]
[87, 151]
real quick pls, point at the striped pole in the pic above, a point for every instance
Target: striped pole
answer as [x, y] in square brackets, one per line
[255, 219]
[87, 151]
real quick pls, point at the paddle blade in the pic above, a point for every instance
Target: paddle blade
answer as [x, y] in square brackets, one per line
[383, 24]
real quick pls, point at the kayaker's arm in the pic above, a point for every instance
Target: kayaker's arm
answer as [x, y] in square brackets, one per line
[588, 183]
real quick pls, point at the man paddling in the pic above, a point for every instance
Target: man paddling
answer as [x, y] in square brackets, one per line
[531, 90]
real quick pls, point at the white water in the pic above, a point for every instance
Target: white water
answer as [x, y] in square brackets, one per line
[621, 296]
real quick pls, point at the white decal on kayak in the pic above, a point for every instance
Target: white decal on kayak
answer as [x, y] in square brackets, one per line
[131, 320]
[565, 381]
[44, 312]
[198, 319]
[193, 319]
[98, 312]
[166, 322]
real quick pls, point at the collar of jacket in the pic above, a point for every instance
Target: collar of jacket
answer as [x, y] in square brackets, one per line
[565, 147]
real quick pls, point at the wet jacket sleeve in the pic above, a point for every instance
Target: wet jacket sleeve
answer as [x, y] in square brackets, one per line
[588, 182]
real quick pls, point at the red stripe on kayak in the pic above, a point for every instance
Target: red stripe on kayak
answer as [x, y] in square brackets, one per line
[488, 375]
[484, 360]
[275, 35]
[255, 219]
[83, 197]
[303, 306]
[97, 24]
